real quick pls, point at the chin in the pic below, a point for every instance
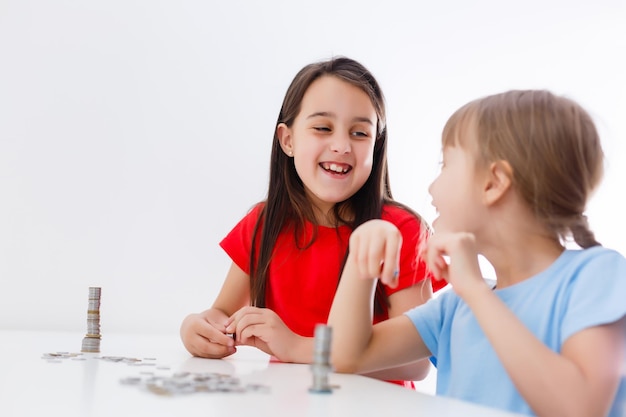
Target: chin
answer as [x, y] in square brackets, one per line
[439, 227]
[334, 198]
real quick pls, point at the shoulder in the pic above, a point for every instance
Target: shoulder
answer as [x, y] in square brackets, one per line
[256, 209]
[254, 212]
[398, 215]
[597, 267]
[249, 220]
[437, 309]
[410, 224]
[580, 270]
[593, 286]
[596, 258]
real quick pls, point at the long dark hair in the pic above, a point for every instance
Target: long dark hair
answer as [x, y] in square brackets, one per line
[286, 200]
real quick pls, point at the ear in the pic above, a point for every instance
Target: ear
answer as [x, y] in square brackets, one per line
[283, 133]
[499, 181]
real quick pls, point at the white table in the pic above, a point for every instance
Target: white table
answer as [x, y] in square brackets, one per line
[33, 386]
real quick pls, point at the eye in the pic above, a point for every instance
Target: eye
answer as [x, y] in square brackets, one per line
[360, 134]
[321, 128]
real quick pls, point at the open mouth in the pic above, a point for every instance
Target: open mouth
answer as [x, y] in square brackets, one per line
[336, 168]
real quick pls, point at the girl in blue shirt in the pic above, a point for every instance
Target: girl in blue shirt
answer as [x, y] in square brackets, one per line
[550, 338]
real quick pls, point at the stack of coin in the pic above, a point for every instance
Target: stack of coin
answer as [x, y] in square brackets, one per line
[91, 341]
[320, 368]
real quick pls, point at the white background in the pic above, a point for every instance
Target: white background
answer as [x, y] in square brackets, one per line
[134, 134]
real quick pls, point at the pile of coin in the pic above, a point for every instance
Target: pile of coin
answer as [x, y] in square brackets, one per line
[189, 383]
[57, 357]
[91, 341]
[321, 367]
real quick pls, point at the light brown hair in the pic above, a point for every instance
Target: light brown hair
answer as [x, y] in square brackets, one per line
[553, 147]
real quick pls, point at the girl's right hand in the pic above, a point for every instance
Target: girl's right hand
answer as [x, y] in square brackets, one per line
[375, 251]
[204, 335]
[454, 257]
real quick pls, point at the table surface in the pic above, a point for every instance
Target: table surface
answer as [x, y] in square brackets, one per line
[90, 385]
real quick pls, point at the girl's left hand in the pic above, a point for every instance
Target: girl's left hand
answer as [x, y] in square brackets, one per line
[453, 257]
[262, 328]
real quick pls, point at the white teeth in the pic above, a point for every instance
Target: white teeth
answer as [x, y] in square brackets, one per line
[336, 168]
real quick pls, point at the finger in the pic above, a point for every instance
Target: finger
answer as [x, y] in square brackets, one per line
[442, 268]
[211, 333]
[247, 334]
[207, 349]
[392, 279]
[251, 317]
[210, 345]
[225, 339]
[375, 258]
[238, 314]
[231, 323]
[442, 262]
[257, 336]
[359, 255]
[250, 331]
[391, 262]
[429, 256]
[205, 329]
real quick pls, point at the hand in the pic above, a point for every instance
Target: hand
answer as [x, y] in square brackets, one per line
[462, 271]
[262, 328]
[375, 251]
[204, 335]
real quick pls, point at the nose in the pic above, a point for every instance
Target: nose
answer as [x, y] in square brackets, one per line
[430, 187]
[340, 143]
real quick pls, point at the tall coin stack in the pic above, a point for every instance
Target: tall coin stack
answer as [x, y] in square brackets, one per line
[321, 367]
[91, 341]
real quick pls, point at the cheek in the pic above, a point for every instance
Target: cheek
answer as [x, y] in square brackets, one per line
[368, 162]
[306, 151]
[366, 155]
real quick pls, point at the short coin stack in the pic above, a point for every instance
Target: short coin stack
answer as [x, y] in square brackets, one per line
[91, 341]
[321, 367]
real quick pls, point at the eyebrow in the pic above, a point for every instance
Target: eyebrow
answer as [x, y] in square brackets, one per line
[332, 115]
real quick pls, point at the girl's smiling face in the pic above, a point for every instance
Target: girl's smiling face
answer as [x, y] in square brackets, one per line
[332, 141]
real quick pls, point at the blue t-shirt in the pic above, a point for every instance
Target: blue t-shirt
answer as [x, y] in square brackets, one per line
[581, 289]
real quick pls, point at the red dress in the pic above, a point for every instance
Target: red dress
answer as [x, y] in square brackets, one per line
[302, 282]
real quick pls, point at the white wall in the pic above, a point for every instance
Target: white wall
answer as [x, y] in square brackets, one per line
[135, 133]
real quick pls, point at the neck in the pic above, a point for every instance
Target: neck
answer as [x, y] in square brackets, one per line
[325, 216]
[517, 245]
[514, 264]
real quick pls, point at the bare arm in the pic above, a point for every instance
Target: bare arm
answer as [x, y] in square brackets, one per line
[263, 329]
[235, 292]
[400, 302]
[357, 346]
